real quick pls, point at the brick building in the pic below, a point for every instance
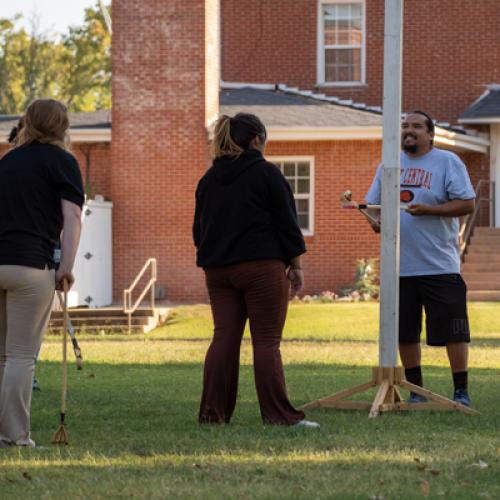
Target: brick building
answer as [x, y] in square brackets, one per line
[174, 71]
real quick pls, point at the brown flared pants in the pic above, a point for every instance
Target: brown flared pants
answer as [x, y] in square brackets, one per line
[259, 291]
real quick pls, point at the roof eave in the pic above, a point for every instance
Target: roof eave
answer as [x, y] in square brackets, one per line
[277, 133]
[453, 140]
[479, 120]
[461, 142]
[77, 135]
[90, 135]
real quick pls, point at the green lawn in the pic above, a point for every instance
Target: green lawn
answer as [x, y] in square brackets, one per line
[132, 420]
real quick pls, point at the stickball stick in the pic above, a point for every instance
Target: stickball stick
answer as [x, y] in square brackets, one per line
[61, 436]
[72, 336]
[349, 203]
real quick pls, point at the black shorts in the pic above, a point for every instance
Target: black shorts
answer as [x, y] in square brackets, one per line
[444, 298]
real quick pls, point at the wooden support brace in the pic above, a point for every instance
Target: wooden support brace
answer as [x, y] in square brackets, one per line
[328, 400]
[444, 403]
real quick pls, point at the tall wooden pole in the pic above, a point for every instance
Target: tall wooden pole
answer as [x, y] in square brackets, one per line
[389, 245]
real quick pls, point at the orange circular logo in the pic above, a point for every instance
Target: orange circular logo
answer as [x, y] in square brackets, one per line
[406, 196]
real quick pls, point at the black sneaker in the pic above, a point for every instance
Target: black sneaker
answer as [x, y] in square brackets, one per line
[461, 396]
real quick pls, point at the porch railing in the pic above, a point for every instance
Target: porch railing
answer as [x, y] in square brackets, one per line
[470, 220]
[128, 307]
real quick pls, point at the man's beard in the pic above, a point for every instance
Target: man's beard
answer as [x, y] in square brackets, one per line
[410, 148]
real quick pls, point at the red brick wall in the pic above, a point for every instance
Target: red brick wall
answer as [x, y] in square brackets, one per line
[158, 138]
[450, 49]
[340, 236]
[100, 167]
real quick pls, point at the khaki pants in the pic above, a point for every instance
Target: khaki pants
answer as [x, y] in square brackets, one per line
[26, 296]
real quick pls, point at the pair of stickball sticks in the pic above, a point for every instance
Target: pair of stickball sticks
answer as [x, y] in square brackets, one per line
[349, 203]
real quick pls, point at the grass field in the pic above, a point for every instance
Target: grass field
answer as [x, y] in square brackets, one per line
[133, 431]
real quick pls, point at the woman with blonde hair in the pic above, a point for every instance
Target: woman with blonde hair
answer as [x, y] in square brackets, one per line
[41, 194]
[249, 244]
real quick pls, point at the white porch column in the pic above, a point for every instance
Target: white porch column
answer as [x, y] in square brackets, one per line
[495, 167]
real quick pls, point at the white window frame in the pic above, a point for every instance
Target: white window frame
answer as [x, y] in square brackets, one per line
[321, 76]
[310, 160]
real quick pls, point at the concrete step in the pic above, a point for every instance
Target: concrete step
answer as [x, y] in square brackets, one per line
[483, 239]
[483, 249]
[95, 312]
[483, 295]
[102, 329]
[481, 258]
[481, 267]
[481, 276]
[486, 230]
[109, 320]
[113, 321]
[483, 285]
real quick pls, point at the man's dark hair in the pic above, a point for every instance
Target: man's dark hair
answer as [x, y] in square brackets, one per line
[428, 120]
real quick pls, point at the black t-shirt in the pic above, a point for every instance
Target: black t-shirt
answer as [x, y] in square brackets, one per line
[33, 180]
[245, 211]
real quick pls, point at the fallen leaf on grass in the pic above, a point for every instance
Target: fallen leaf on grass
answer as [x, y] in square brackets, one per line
[480, 465]
[425, 488]
[91, 375]
[381, 481]
[26, 476]
[435, 472]
[421, 467]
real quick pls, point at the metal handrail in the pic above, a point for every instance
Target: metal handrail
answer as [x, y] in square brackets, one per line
[130, 309]
[469, 222]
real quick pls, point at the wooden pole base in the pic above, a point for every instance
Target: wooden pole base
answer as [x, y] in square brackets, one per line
[388, 398]
[60, 436]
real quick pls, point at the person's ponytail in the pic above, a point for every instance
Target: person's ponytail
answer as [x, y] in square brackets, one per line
[222, 143]
[234, 135]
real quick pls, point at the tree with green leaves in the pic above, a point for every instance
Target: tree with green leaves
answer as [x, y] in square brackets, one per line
[86, 59]
[75, 70]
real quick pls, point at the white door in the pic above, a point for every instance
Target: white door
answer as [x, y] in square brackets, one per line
[93, 264]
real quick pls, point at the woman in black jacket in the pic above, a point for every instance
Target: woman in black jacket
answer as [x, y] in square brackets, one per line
[249, 245]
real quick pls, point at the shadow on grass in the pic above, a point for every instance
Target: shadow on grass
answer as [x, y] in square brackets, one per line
[485, 342]
[144, 337]
[113, 406]
[133, 432]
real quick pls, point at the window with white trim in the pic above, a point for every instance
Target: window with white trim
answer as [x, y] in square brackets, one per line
[299, 172]
[341, 42]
